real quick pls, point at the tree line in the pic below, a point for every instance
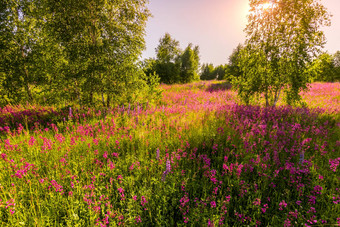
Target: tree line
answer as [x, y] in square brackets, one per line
[173, 65]
[223, 72]
[325, 67]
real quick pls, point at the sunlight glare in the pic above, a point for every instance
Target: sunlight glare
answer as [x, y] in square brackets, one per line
[265, 6]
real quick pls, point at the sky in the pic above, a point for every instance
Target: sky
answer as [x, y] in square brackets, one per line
[216, 26]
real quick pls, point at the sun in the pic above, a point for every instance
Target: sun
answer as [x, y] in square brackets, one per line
[261, 8]
[267, 5]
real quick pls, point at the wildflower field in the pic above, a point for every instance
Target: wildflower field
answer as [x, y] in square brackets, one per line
[198, 158]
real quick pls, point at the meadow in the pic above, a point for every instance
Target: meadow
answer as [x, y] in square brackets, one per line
[197, 157]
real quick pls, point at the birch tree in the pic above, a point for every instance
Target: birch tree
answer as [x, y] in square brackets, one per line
[283, 36]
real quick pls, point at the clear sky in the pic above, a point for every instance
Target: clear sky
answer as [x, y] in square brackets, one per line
[216, 26]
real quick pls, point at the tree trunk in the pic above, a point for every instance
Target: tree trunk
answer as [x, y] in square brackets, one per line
[91, 97]
[266, 96]
[277, 96]
[108, 100]
[28, 90]
[77, 91]
[23, 55]
[103, 99]
[26, 78]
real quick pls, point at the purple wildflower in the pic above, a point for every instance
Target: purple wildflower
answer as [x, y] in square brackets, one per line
[157, 154]
[167, 170]
[302, 157]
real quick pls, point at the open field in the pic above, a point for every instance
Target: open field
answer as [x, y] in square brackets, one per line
[196, 158]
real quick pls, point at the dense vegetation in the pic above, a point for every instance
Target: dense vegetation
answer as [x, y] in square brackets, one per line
[198, 158]
[72, 51]
[173, 65]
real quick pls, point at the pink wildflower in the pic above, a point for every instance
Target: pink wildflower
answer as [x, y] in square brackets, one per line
[282, 205]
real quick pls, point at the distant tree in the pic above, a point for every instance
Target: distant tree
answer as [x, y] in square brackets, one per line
[336, 63]
[220, 72]
[323, 68]
[208, 72]
[189, 64]
[234, 61]
[337, 59]
[168, 72]
[197, 57]
[168, 60]
[281, 41]
[168, 49]
[173, 65]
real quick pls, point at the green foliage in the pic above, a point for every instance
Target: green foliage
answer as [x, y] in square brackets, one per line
[234, 60]
[103, 41]
[3, 17]
[189, 64]
[168, 61]
[208, 72]
[168, 72]
[174, 66]
[24, 58]
[281, 41]
[168, 49]
[73, 51]
[323, 68]
[221, 72]
[154, 92]
[148, 65]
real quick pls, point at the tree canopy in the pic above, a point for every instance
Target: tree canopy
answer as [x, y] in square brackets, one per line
[24, 43]
[174, 65]
[234, 61]
[208, 72]
[168, 49]
[90, 48]
[189, 64]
